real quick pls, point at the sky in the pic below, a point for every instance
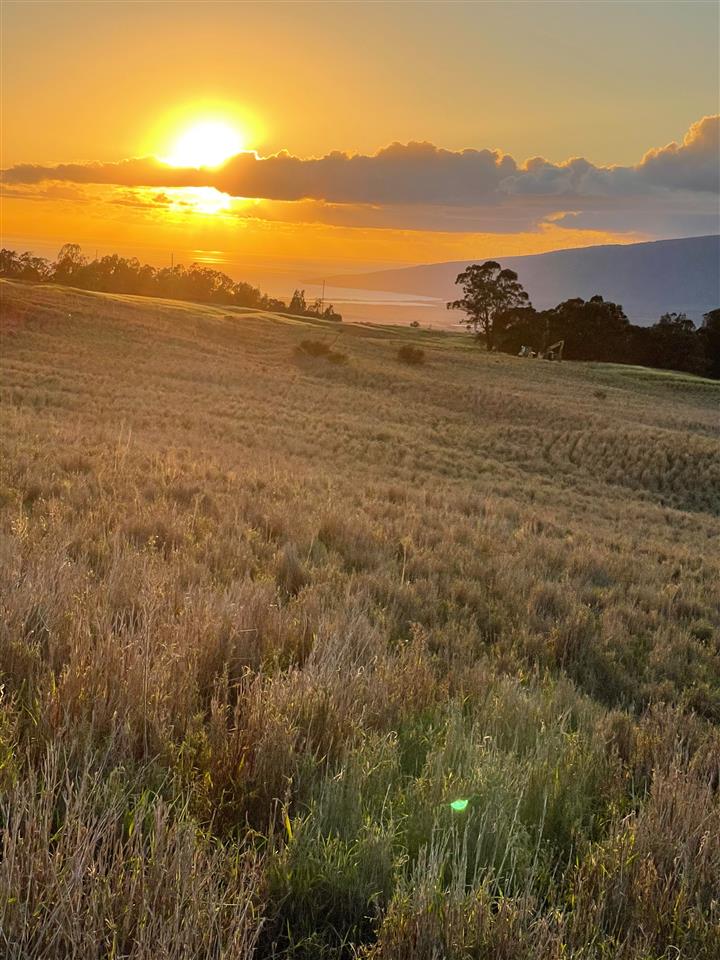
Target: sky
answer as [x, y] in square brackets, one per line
[356, 134]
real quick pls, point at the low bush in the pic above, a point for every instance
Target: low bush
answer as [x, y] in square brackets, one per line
[314, 348]
[318, 348]
[412, 355]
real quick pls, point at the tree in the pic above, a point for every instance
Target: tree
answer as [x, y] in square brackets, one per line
[35, 269]
[673, 344]
[330, 313]
[10, 265]
[298, 304]
[69, 263]
[709, 334]
[677, 322]
[245, 295]
[488, 291]
[23, 267]
[593, 329]
[520, 327]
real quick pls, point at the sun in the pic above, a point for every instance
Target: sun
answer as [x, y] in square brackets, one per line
[208, 143]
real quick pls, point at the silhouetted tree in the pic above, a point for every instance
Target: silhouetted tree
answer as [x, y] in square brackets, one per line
[116, 274]
[673, 344]
[330, 313]
[35, 269]
[488, 291]
[314, 309]
[520, 326]
[24, 267]
[709, 335]
[593, 329]
[69, 263]
[245, 295]
[9, 263]
[298, 304]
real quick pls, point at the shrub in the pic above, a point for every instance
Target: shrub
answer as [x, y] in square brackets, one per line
[318, 348]
[412, 355]
[336, 357]
[315, 348]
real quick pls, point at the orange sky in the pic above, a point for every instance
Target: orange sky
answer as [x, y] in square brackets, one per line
[88, 82]
[100, 221]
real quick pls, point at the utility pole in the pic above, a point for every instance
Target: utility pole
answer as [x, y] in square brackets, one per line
[172, 260]
[322, 299]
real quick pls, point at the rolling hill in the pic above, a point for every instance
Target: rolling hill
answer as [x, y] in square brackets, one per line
[648, 279]
[311, 660]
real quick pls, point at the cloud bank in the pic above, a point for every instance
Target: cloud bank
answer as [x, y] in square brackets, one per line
[423, 183]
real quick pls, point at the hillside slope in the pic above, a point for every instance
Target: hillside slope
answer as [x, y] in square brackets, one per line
[648, 279]
[265, 617]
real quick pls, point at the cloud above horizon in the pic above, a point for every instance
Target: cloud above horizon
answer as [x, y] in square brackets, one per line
[423, 186]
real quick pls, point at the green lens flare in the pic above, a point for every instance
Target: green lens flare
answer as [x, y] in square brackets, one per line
[459, 805]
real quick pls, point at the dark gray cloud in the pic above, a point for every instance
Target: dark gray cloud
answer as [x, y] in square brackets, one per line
[431, 188]
[400, 174]
[136, 172]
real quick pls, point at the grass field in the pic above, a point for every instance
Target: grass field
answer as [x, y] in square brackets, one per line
[266, 616]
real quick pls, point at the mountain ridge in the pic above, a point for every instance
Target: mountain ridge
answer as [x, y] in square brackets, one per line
[647, 278]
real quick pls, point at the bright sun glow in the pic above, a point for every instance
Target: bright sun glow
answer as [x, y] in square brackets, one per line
[198, 200]
[206, 144]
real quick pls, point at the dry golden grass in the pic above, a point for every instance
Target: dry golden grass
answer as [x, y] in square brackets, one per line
[264, 616]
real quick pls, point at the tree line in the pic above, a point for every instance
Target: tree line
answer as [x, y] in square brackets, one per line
[498, 310]
[116, 274]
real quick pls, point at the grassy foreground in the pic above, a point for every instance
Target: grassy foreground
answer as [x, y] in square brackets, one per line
[265, 616]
